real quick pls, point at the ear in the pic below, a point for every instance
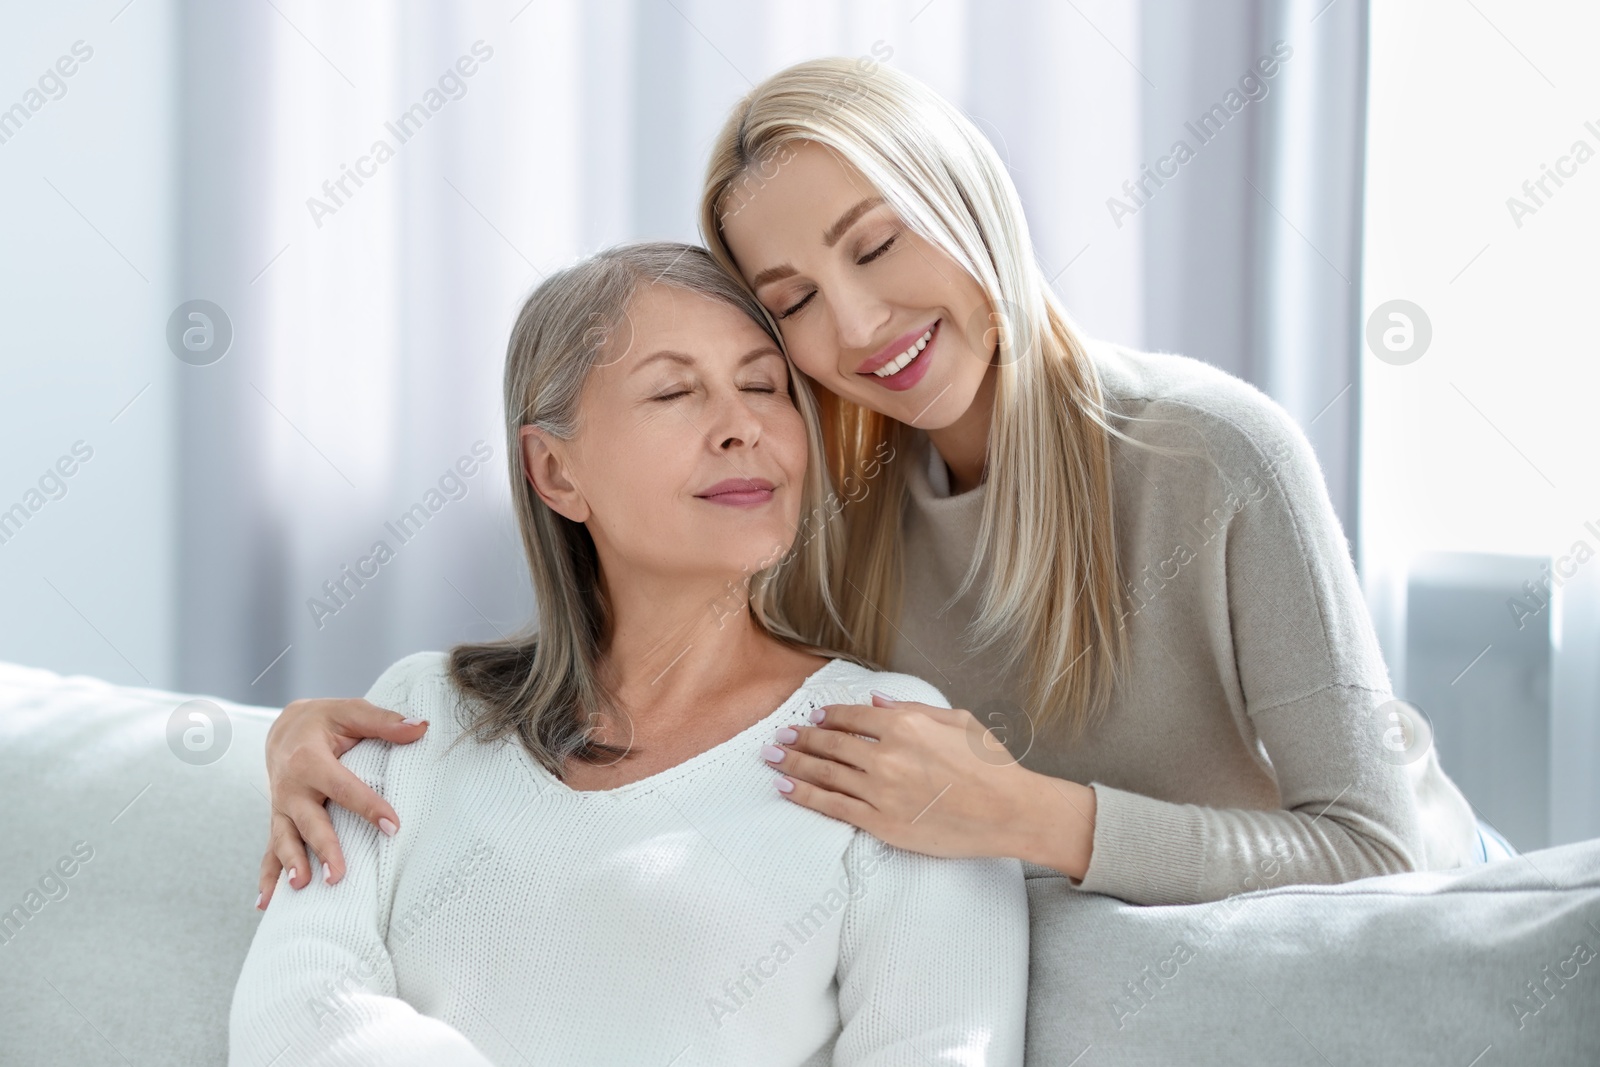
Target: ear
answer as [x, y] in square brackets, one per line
[545, 465]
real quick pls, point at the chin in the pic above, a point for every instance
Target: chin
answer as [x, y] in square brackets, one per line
[753, 550]
[934, 405]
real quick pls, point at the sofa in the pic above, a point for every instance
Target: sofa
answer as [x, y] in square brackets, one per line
[132, 832]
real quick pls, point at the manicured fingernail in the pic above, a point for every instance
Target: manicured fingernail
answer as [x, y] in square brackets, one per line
[327, 872]
[788, 735]
[817, 714]
[772, 754]
[881, 695]
[292, 872]
[387, 827]
[258, 901]
[411, 720]
[784, 785]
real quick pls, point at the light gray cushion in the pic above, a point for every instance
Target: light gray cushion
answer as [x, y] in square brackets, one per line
[136, 962]
[1415, 969]
[135, 958]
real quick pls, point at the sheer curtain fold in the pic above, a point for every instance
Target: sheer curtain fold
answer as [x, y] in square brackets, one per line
[371, 315]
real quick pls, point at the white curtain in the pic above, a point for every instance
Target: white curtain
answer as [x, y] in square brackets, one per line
[370, 316]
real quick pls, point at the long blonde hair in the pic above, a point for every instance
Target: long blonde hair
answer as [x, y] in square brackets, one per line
[1053, 599]
[543, 684]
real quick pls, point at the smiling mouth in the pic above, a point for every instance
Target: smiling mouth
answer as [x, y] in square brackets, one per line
[906, 358]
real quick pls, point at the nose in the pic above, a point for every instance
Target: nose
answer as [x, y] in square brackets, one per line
[735, 426]
[858, 316]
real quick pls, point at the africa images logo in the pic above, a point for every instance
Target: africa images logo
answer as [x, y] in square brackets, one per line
[452, 85]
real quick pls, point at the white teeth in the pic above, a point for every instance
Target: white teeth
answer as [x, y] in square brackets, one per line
[898, 363]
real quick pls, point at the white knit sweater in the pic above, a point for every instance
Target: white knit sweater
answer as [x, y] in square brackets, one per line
[692, 917]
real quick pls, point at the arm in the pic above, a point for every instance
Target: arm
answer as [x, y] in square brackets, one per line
[933, 960]
[1346, 814]
[1309, 675]
[318, 980]
[1281, 618]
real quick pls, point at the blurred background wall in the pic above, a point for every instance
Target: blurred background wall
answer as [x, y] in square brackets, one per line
[273, 340]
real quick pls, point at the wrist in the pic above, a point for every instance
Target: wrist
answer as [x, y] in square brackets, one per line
[1058, 827]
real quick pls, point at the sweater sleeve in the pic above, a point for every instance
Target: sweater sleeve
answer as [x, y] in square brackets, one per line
[318, 981]
[1346, 815]
[1310, 677]
[933, 960]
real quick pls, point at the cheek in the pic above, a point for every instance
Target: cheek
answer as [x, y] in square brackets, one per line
[786, 437]
[783, 438]
[783, 432]
[812, 349]
[632, 459]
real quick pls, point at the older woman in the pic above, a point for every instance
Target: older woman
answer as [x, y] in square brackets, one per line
[596, 867]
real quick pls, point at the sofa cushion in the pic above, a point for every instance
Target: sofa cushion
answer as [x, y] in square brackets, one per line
[133, 955]
[1486, 965]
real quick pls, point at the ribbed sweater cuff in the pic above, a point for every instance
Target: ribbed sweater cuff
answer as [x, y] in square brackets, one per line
[1146, 851]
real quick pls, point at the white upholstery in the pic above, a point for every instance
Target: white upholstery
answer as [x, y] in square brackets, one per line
[134, 959]
[136, 963]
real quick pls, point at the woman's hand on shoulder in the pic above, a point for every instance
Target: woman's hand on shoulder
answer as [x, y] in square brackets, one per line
[303, 749]
[932, 780]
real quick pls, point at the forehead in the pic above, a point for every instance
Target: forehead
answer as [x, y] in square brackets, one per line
[803, 185]
[661, 316]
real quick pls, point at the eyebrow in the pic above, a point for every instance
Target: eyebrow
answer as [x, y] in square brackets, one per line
[848, 219]
[684, 359]
[829, 238]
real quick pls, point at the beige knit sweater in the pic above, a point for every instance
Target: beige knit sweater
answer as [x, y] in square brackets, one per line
[1246, 746]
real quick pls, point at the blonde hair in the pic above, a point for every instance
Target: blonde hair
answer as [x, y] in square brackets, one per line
[1053, 599]
[543, 685]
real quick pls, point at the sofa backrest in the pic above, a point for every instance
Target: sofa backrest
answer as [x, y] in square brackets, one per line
[131, 845]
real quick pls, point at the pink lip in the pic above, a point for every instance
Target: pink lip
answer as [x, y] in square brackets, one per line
[913, 372]
[739, 492]
[893, 349]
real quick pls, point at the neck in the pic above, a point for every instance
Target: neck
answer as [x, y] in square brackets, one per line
[670, 643]
[964, 444]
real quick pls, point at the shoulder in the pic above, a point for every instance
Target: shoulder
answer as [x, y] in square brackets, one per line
[396, 684]
[416, 685]
[1149, 389]
[420, 685]
[844, 682]
[1172, 401]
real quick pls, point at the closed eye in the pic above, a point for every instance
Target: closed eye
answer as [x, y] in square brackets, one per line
[876, 252]
[868, 258]
[798, 306]
[671, 396]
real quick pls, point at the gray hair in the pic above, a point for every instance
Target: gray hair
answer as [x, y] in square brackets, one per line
[543, 684]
